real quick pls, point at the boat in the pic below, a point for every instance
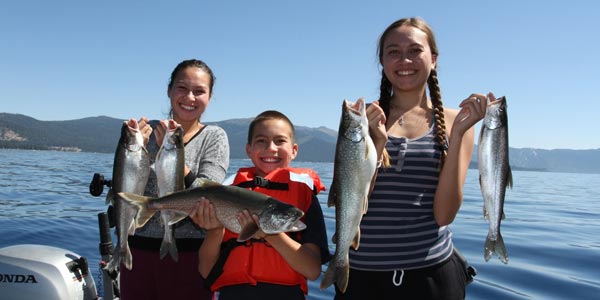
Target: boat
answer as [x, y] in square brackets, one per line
[31, 271]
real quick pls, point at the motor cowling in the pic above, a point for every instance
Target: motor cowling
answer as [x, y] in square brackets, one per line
[44, 272]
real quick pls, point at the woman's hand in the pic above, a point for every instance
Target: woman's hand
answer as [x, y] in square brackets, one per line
[145, 129]
[204, 215]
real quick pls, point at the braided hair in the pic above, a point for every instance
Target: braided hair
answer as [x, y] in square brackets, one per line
[386, 90]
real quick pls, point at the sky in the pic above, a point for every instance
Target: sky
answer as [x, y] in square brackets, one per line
[65, 60]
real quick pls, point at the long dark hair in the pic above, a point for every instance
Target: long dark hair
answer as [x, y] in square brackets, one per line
[386, 91]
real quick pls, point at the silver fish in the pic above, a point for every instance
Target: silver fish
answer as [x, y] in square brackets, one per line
[130, 174]
[354, 167]
[274, 215]
[494, 174]
[169, 168]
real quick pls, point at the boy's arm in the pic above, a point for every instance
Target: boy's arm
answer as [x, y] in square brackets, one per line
[304, 258]
[210, 250]
[204, 216]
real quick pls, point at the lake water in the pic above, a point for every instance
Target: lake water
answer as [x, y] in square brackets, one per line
[551, 228]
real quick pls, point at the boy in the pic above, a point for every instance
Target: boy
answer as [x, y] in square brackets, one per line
[268, 266]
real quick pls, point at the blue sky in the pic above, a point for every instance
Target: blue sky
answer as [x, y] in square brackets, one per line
[64, 60]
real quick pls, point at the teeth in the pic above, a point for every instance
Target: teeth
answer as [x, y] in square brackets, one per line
[403, 73]
[187, 107]
[270, 159]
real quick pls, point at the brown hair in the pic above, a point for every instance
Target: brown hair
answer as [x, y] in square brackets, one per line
[386, 91]
[270, 115]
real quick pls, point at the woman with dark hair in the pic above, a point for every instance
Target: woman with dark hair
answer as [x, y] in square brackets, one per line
[206, 157]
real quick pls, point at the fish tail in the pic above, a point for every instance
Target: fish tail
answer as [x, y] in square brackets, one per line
[495, 246]
[114, 262]
[337, 274]
[168, 246]
[128, 260]
[144, 213]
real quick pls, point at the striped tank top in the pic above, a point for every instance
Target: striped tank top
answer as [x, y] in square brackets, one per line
[399, 231]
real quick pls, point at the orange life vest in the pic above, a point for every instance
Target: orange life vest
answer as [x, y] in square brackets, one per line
[258, 261]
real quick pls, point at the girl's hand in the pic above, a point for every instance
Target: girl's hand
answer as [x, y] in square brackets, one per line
[472, 111]
[377, 121]
[204, 215]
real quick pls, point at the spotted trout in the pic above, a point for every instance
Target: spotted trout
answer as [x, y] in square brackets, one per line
[131, 169]
[274, 216]
[494, 174]
[354, 166]
[169, 168]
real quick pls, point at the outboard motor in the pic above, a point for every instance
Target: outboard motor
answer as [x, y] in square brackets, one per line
[44, 272]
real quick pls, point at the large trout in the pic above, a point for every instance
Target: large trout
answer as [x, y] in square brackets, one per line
[494, 174]
[274, 216]
[354, 166]
[131, 168]
[169, 167]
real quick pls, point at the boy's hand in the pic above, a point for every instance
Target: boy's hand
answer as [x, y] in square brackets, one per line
[245, 218]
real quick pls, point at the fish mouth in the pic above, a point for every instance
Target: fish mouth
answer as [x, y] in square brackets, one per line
[297, 226]
[357, 108]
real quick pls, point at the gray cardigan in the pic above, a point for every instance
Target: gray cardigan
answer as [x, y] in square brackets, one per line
[207, 156]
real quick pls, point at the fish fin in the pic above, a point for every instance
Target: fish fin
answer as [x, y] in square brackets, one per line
[332, 197]
[203, 182]
[495, 247]
[109, 196]
[356, 240]
[144, 214]
[485, 213]
[177, 216]
[131, 229]
[365, 204]
[114, 262]
[337, 274]
[247, 232]
[169, 246]
[128, 261]
[509, 178]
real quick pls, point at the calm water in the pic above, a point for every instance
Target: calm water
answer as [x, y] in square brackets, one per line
[551, 226]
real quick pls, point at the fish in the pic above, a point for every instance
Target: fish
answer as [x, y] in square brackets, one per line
[494, 174]
[131, 169]
[274, 215]
[169, 168]
[354, 167]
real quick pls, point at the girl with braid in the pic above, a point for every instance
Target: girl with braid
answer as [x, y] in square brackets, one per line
[406, 249]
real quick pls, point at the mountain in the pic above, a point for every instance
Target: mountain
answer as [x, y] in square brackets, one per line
[101, 134]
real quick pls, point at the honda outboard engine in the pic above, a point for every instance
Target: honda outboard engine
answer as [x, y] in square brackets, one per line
[44, 272]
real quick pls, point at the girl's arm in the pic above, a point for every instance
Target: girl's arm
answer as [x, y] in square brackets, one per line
[449, 192]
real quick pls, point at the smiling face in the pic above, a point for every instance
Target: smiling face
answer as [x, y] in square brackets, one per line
[190, 93]
[271, 146]
[407, 58]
